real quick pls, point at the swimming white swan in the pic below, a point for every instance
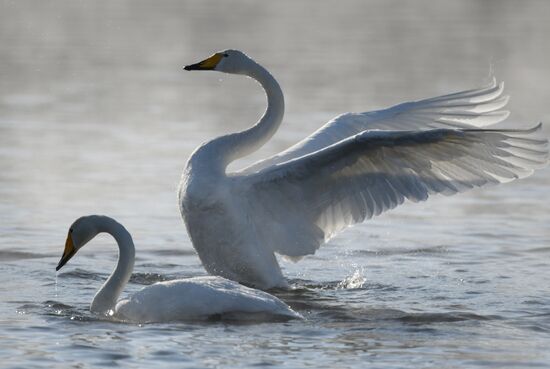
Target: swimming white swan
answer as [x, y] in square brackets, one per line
[191, 298]
[347, 171]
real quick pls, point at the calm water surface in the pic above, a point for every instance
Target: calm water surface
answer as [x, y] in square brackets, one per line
[96, 116]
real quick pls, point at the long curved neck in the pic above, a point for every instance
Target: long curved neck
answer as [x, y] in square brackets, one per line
[105, 299]
[246, 142]
[226, 149]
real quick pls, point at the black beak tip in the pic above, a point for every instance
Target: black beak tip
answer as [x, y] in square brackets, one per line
[187, 67]
[61, 263]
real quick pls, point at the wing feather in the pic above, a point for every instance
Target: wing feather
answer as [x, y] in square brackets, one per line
[309, 199]
[465, 109]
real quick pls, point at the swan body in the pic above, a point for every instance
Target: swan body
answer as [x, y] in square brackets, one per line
[199, 297]
[182, 299]
[353, 168]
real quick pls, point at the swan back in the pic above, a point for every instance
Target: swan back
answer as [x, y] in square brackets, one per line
[196, 298]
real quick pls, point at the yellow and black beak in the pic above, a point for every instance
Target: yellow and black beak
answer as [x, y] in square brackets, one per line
[206, 64]
[68, 253]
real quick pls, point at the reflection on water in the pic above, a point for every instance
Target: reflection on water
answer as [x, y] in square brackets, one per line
[96, 116]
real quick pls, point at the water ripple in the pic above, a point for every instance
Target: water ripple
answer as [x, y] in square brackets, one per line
[8, 255]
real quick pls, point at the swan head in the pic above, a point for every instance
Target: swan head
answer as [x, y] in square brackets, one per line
[227, 61]
[80, 233]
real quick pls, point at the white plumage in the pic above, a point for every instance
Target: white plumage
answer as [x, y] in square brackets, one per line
[199, 298]
[356, 166]
[181, 299]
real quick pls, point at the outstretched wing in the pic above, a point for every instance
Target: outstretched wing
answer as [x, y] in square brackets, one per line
[310, 198]
[466, 109]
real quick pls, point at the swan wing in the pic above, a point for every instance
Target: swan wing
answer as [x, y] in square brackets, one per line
[466, 109]
[301, 203]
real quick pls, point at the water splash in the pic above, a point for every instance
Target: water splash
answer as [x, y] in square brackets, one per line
[356, 280]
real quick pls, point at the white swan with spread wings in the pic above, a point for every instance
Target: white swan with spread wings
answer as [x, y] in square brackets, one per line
[355, 167]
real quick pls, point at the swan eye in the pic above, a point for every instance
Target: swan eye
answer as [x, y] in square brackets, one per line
[225, 55]
[71, 230]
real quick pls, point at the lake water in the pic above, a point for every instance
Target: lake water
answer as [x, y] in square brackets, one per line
[97, 116]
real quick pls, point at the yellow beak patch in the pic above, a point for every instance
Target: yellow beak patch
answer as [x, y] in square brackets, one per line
[206, 64]
[68, 253]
